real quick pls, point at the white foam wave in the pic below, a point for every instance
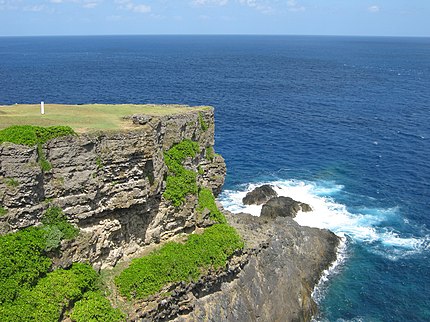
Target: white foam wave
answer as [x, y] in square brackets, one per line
[365, 225]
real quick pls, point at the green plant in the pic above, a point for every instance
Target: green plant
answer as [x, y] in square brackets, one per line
[210, 154]
[180, 181]
[203, 125]
[94, 307]
[54, 217]
[22, 261]
[51, 295]
[45, 165]
[3, 211]
[176, 262]
[207, 201]
[32, 135]
[11, 182]
[99, 163]
[200, 170]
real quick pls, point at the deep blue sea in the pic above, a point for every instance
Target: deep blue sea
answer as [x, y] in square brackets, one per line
[342, 123]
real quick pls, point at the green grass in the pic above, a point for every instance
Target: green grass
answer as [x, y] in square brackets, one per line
[3, 211]
[210, 153]
[85, 118]
[11, 182]
[176, 262]
[203, 125]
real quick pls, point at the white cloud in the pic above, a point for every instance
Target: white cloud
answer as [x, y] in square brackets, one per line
[35, 8]
[130, 5]
[260, 5]
[374, 9]
[294, 6]
[209, 2]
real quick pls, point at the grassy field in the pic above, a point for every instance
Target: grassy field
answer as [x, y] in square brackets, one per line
[84, 118]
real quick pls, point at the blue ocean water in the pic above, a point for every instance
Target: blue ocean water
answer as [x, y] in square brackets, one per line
[340, 122]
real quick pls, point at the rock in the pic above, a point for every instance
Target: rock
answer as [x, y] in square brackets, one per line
[110, 185]
[259, 195]
[277, 282]
[283, 207]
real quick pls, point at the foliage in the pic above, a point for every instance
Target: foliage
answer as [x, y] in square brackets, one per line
[3, 211]
[210, 154]
[54, 217]
[11, 182]
[207, 201]
[94, 307]
[180, 181]
[176, 262]
[32, 135]
[45, 165]
[99, 163]
[203, 125]
[51, 295]
[22, 261]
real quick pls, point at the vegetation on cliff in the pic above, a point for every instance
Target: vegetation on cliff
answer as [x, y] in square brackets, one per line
[176, 262]
[32, 135]
[29, 291]
[180, 181]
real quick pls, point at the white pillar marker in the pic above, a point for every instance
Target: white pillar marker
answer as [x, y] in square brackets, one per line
[42, 107]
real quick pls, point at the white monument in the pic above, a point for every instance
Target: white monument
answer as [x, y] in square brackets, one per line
[42, 107]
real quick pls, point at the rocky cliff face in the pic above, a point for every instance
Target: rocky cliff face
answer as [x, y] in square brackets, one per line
[110, 185]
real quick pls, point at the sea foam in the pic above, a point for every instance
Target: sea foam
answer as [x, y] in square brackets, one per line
[366, 225]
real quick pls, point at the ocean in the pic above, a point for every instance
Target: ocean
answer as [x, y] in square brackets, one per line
[342, 123]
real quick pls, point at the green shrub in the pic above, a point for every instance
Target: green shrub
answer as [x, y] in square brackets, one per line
[52, 295]
[207, 201]
[203, 125]
[94, 307]
[176, 262]
[3, 211]
[32, 135]
[22, 261]
[210, 154]
[45, 165]
[180, 181]
[54, 217]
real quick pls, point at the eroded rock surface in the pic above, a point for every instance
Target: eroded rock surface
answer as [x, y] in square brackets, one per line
[110, 185]
[283, 207]
[259, 195]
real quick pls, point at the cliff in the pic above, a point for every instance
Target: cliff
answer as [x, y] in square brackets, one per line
[111, 185]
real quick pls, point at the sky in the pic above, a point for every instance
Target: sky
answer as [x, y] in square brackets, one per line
[285, 17]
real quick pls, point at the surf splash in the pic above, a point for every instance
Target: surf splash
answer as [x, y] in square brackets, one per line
[367, 225]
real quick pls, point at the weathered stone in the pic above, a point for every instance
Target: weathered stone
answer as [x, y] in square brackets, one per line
[259, 195]
[110, 185]
[283, 207]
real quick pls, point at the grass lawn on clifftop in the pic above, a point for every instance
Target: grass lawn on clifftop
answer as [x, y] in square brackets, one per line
[84, 118]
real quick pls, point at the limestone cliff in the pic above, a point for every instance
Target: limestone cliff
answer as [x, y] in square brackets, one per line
[110, 185]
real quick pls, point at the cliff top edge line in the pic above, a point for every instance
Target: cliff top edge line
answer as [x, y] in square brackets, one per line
[87, 117]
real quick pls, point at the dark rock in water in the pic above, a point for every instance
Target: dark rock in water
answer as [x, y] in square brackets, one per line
[283, 207]
[259, 195]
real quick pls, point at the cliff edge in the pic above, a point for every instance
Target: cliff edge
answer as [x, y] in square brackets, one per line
[112, 185]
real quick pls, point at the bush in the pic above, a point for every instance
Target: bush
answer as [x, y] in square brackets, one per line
[32, 135]
[207, 201]
[210, 154]
[180, 181]
[94, 307]
[203, 125]
[22, 261]
[54, 217]
[176, 262]
[52, 295]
